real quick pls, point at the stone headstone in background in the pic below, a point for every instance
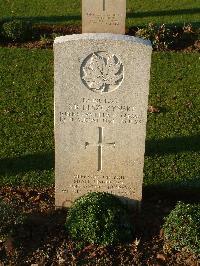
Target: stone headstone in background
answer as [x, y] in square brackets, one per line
[101, 97]
[106, 16]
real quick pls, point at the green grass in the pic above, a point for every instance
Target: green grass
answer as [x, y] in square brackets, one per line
[69, 11]
[173, 141]
[26, 117]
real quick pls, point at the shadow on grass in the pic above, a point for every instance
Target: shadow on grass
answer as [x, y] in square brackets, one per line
[176, 190]
[50, 19]
[45, 161]
[38, 161]
[190, 11]
[173, 145]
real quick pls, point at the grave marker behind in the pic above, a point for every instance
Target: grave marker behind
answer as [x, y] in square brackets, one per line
[103, 16]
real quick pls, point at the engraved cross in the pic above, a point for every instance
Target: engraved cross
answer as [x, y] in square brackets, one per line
[104, 5]
[100, 146]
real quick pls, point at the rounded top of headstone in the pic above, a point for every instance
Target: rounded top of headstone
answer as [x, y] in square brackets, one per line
[102, 36]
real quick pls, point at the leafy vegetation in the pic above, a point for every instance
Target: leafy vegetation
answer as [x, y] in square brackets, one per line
[182, 228]
[99, 218]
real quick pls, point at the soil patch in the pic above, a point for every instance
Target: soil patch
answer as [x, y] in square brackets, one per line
[44, 241]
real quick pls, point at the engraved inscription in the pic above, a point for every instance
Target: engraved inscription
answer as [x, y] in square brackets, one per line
[108, 19]
[102, 72]
[100, 148]
[118, 185]
[101, 111]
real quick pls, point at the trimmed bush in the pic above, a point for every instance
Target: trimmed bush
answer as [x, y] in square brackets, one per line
[10, 220]
[182, 229]
[17, 30]
[99, 218]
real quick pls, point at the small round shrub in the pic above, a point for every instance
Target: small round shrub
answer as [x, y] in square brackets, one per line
[99, 218]
[182, 229]
[17, 30]
[10, 220]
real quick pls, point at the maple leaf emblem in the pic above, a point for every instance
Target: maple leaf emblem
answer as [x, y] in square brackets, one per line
[102, 72]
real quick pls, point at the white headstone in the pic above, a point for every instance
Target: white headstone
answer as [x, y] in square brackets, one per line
[106, 16]
[101, 99]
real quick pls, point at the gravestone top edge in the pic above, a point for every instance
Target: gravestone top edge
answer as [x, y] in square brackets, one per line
[102, 36]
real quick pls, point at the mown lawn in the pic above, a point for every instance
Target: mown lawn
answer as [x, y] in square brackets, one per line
[26, 119]
[173, 140]
[26, 92]
[69, 11]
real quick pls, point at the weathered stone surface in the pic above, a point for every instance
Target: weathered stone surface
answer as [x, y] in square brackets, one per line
[106, 16]
[101, 98]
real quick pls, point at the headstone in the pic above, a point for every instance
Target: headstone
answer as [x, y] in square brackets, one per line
[106, 16]
[101, 98]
